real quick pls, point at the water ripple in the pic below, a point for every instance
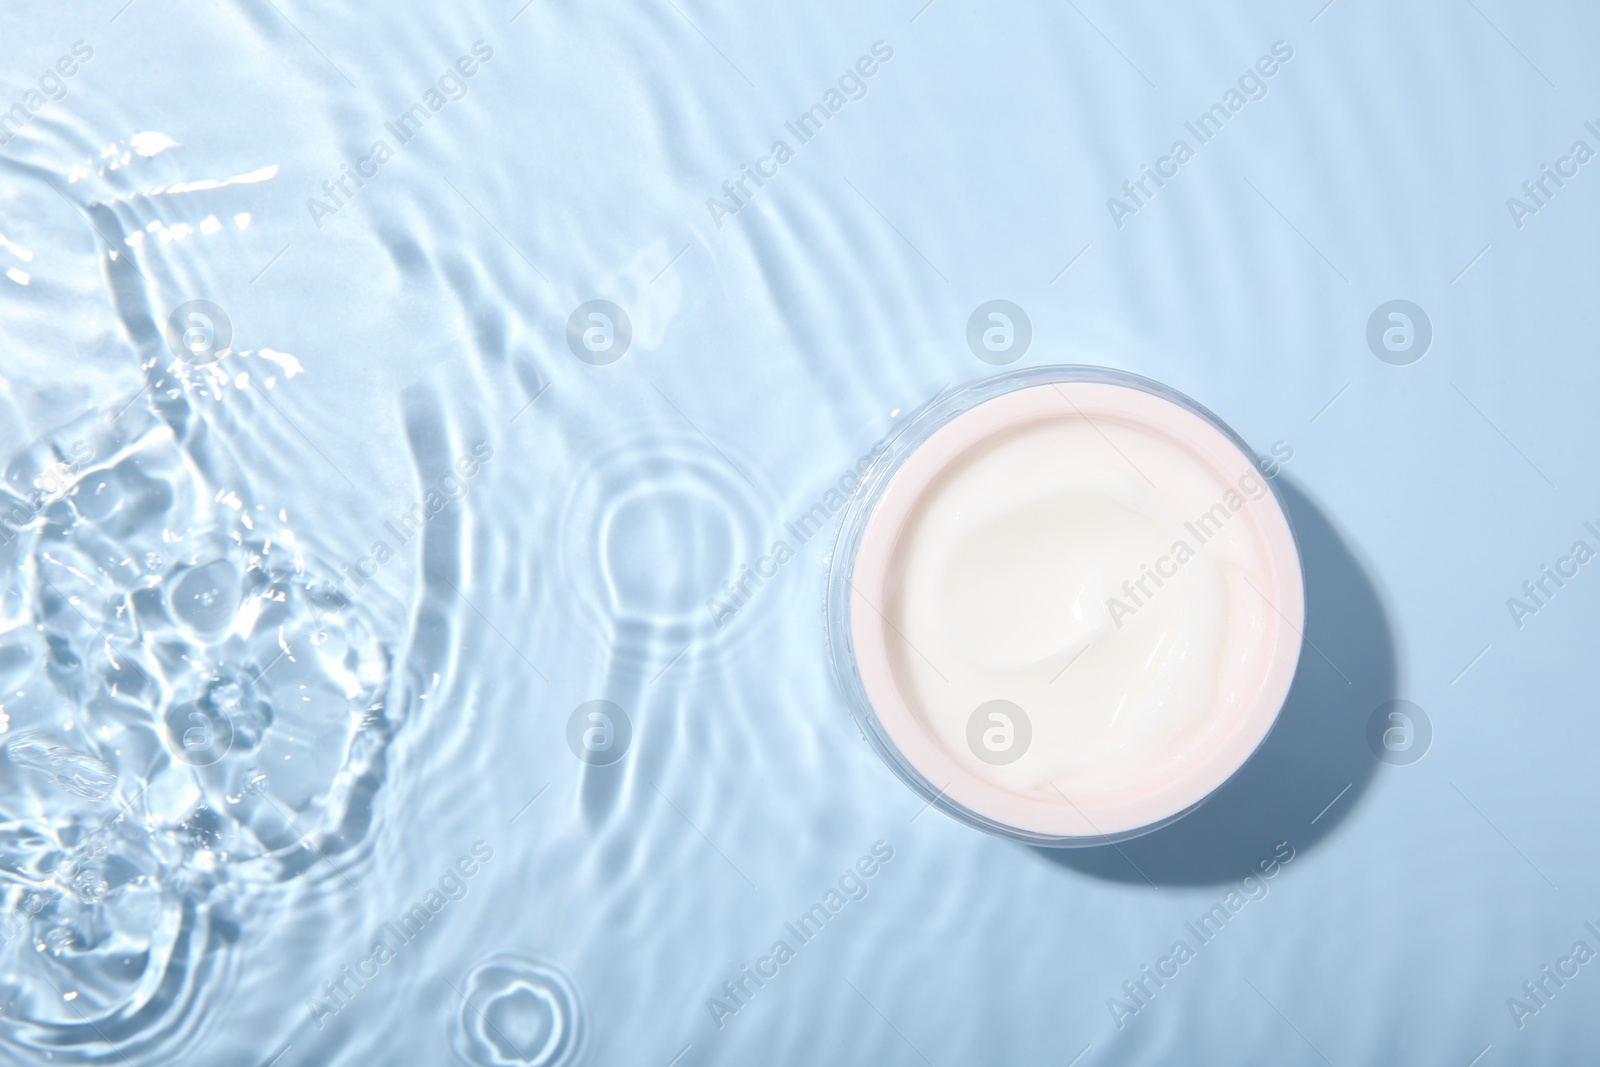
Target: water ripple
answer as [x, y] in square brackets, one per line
[189, 698]
[655, 526]
[519, 1012]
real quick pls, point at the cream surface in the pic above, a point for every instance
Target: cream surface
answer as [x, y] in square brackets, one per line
[1098, 577]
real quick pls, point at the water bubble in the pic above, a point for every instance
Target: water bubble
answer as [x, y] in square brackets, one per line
[90, 885]
[519, 1012]
[207, 597]
[56, 940]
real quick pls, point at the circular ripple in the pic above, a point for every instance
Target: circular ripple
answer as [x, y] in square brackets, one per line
[663, 546]
[519, 1012]
[657, 526]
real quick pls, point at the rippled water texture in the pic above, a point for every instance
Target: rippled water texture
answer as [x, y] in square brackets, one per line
[400, 663]
[193, 712]
[520, 1012]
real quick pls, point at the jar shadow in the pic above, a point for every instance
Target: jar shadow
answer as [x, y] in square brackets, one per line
[1313, 767]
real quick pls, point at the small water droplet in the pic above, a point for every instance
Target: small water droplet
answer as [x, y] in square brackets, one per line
[90, 885]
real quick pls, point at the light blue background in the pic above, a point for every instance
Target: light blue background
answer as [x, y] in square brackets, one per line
[769, 353]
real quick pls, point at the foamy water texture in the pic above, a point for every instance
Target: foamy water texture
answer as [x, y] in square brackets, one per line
[422, 435]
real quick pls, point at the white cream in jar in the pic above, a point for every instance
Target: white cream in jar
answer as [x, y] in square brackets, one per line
[1074, 608]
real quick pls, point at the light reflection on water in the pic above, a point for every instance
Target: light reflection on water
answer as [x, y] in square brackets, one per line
[235, 742]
